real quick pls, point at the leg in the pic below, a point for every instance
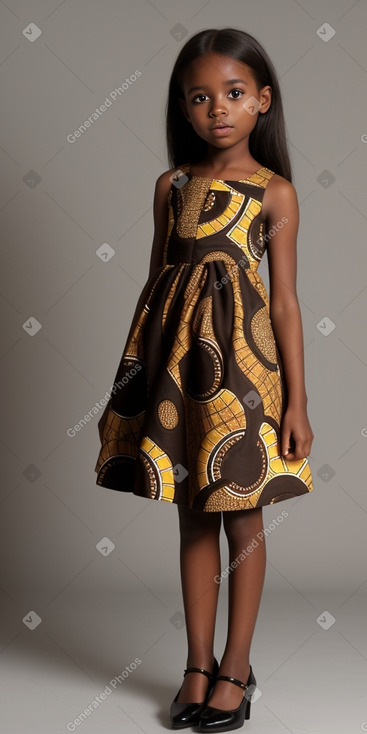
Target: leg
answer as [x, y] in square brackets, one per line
[199, 564]
[245, 585]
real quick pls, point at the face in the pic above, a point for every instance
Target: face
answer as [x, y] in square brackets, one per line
[219, 90]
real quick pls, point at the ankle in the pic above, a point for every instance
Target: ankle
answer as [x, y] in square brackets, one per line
[200, 661]
[235, 667]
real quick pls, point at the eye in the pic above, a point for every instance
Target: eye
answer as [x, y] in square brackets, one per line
[236, 90]
[199, 95]
[239, 91]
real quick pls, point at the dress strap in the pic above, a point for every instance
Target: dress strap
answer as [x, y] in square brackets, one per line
[185, 168]
[261, 177]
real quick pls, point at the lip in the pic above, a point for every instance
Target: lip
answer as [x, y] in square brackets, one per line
[221, 129]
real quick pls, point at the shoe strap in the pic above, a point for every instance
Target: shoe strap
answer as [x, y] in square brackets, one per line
[233, 680]
[198, 670]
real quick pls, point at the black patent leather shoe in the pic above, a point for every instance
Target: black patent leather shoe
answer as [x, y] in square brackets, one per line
[188, 714]
[214, 719]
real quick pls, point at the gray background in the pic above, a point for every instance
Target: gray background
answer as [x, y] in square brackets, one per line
[59, 203]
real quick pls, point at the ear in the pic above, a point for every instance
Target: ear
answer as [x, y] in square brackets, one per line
[184, 108]
[265, 99]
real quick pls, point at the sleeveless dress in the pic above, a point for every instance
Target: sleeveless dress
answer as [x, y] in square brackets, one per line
[196, 405]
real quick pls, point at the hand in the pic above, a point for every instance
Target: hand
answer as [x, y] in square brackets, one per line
[295, 423]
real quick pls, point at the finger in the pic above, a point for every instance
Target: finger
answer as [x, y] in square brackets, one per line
[291, 448]
[285, 444]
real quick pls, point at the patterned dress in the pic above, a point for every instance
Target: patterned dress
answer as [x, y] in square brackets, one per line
[195, 409]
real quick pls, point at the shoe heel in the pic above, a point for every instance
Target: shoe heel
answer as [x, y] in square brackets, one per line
[248, 710]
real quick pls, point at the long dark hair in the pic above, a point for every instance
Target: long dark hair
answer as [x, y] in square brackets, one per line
[267, 141]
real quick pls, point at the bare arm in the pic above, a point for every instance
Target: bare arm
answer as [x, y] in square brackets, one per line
[285, 311]
[284, 307]
[160, 213]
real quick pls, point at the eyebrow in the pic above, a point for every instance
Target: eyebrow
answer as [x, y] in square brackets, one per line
[229, 81]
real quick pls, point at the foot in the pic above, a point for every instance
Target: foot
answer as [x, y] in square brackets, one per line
[226, 695]
[195, 685]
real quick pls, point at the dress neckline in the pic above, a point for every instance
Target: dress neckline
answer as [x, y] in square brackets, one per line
[225, 180]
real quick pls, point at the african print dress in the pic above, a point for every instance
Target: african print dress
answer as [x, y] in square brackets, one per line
[194, 413]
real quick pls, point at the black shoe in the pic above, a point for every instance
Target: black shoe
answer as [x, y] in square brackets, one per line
[214, 719]
[188, 714]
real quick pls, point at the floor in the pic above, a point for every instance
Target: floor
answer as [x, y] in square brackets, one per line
[111, 664]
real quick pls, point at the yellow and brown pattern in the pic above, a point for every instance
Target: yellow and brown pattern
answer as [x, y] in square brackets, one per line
[197, 401]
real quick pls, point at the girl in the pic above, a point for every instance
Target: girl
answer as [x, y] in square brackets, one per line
[209, 408]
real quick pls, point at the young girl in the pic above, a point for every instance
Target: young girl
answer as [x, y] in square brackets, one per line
[208, 408]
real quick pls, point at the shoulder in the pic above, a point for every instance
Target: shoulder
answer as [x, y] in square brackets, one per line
[164, 181]
[163, 193]
[279, 198]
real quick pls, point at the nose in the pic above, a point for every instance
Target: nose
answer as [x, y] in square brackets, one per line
[218, 108]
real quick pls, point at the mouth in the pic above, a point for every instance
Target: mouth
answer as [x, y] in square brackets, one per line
[221, 131]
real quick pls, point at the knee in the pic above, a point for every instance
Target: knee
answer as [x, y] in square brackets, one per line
[194, 524]
[242, 526]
